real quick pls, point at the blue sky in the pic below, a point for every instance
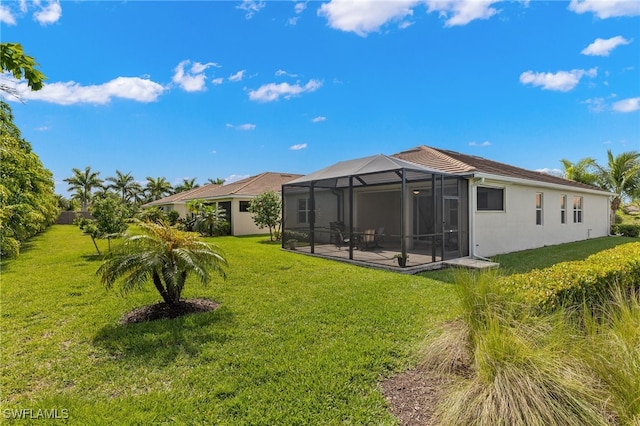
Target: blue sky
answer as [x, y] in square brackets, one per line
[209, 89]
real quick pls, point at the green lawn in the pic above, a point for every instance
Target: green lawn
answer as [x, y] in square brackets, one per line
[297, 340]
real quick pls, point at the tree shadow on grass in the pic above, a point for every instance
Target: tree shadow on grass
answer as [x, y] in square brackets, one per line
[160, 342]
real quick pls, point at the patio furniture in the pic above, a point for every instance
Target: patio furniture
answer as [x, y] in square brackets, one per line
[368, 239]
[340, 239]
[379, 237]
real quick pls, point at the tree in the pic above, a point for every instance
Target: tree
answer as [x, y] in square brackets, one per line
[28, 203]
[83, 183]
[157, 188]
[125, 185]
[186, 185]
[621, 176]
[584, 171]
[165, 256]
[266, 211]
[216, 181]
[110, 219]
[14, 61]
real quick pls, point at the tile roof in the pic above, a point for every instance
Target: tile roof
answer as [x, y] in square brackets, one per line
[250, 187]
[457, 163]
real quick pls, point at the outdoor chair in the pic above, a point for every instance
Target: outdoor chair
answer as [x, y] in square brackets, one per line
[341, 239]
[368, 238]
[379, 237]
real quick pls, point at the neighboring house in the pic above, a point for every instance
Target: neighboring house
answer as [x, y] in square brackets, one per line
[233, 197]
[441, 204]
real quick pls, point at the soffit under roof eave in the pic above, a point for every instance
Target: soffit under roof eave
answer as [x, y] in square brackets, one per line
[530, 182]
[336, 179]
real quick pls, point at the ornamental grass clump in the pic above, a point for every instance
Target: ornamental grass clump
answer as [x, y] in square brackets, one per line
[613, 352]
[520, 369]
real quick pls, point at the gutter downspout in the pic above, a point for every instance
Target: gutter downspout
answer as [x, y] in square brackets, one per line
[472, 221]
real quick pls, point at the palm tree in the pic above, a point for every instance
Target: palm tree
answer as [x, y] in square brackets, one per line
[216, 181]
[584, 171]
[621, 176]
[186, 185]
[125, 185]
[83, 183]
[165, 256]
[158, 188]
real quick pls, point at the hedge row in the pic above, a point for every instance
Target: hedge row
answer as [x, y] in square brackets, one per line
[587, 281]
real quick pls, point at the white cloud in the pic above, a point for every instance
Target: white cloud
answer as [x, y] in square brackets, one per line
[300, 7]
[235, 178]
[251, 7]
[562, 81]
[283, 72]
[6, 17]
[550, 171]
[596, 104]
[273, 91]
[298, 147]
[69, 93]
[217, 81]
[193, 79]
[246, 126]
[603, 47]
[606, 8]
[43, 128]
[365, 16]
[237, 76]
[474, 143]
[627, 105]
[49, 14]
[461, 12]
[318, 119]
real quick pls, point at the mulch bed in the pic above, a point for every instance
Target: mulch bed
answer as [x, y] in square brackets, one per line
[165, 311]
[414, 395]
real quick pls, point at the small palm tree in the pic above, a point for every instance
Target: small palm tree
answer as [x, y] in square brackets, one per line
[165, 256]
[83, 183]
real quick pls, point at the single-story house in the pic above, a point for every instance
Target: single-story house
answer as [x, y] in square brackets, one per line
[434, 205]
[233, 197]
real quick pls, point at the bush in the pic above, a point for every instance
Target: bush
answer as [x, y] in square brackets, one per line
[626, 229]
[581, 282]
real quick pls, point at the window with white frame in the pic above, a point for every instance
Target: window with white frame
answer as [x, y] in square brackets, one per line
[577, 209]
[303, 210]
[563, 209]
[490, 199]
[538, 208]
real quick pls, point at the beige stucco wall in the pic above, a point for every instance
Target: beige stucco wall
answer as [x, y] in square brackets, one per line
[515, 228]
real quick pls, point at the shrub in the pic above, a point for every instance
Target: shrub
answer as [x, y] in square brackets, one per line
[579, 282]
[626, 229]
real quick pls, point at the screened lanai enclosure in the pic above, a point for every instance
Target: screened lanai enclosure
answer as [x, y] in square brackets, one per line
[377, 210]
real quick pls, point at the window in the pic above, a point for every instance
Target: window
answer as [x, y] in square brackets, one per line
[244, 206]
[577, 209]
[563, 209]
[538, 208]
[490, 199]
[303, 210]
